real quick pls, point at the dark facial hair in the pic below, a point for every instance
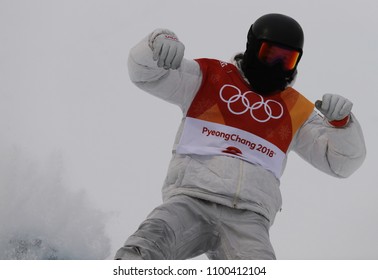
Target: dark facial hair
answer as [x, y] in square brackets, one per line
[264, 79]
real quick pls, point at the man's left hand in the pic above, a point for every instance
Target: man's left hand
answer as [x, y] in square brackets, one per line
[334, 107]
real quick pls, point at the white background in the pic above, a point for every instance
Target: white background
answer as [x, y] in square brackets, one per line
[67, 105]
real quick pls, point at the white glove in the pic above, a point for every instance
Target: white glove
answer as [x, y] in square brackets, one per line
[167, 50]
[334, 107]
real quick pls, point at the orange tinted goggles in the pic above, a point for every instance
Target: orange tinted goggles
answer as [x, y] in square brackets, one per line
[271, 53]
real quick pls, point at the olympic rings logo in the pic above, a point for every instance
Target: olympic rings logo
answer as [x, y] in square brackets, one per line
[251, 107]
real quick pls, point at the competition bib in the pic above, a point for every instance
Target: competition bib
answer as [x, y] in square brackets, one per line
[227, 118]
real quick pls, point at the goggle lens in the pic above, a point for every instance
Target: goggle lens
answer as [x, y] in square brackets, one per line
[270, 54]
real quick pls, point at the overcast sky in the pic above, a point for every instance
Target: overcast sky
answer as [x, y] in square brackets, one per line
[65, 92]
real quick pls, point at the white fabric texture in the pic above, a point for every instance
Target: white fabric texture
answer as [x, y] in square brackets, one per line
[185, 227]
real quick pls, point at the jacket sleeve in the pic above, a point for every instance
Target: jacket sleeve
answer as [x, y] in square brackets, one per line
[176, 86]
[335, 151]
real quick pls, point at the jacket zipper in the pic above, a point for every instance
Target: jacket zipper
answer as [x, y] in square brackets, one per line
[238, 188]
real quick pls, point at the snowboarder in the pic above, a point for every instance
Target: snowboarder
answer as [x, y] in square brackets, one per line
[241, 119]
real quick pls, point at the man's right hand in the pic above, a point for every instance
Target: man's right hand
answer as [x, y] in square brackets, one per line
[167, 50]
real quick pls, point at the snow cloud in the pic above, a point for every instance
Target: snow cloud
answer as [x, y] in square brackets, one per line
[41, 218]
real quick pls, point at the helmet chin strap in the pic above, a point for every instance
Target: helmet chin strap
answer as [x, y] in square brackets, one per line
[293, 77]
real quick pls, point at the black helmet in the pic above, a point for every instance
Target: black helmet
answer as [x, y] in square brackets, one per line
[276, 29]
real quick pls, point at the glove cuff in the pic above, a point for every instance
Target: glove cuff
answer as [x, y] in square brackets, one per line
[157, 32]
[340, 123]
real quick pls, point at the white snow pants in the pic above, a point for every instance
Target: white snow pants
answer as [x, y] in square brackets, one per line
[184, 227]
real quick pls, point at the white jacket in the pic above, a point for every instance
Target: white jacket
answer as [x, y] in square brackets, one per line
[231, 181]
